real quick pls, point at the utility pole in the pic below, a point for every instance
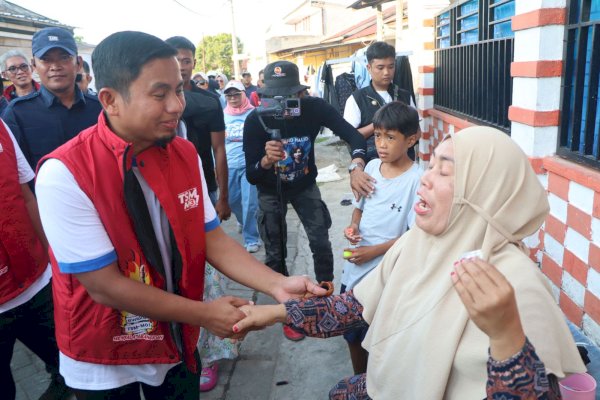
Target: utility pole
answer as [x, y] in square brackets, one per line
[399, 22]
[379, 18]
[235, 56]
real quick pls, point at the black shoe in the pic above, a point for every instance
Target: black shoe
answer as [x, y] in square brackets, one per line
[57, 389]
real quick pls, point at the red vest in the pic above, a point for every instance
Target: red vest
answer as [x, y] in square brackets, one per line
[88, 331]
[22, 256]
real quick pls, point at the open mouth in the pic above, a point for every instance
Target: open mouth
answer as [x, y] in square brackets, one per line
[422, 207]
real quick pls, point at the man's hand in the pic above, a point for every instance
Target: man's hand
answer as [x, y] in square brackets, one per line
[222, 208]
[296, 287]
[273, 153]
[222, 314]
[363, 185]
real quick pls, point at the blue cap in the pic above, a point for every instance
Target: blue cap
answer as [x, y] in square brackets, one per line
[50, 38]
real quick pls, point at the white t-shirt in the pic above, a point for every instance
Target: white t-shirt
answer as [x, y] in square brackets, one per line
[386, 215]
[352, 113]
[26, 174]
[81, 244]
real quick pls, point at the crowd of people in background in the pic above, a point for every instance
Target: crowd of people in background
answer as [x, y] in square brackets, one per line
[112, 258]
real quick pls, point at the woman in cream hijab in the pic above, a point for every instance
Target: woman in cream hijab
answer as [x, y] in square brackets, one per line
[456, 309]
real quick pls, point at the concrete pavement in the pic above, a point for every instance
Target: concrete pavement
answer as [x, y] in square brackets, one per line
[270, 367]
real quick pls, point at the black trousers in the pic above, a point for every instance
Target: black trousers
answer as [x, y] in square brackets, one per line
[315, 218]
[33, 324]
[179, 384]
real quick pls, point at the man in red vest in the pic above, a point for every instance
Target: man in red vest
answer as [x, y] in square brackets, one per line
[128, 218]
[25, 291]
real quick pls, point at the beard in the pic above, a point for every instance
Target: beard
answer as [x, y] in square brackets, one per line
[163, 142]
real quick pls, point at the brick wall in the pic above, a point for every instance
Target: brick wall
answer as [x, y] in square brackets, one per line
[568, 245]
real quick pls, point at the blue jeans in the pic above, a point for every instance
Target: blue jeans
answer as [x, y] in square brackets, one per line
[243, 201]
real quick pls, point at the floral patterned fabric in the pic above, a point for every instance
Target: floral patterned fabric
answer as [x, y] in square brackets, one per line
[522, 376]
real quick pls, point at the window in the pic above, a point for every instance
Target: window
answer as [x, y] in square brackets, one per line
[474, 50]
[580, 108]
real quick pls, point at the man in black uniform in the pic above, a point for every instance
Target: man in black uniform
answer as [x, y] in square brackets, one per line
[364, 103]
[205, 125]
[265, 158]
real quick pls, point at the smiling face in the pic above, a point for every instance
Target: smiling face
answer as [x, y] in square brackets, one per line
[150, 111]
[437, 191]
[18, 71]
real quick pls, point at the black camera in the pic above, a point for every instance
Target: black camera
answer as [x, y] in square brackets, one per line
[279, 107]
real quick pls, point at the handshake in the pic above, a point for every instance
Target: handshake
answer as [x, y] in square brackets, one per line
[233, 317]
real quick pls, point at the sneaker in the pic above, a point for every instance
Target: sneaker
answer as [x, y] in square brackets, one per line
[239, 227]
[209, 378]
[292, 335]
[252, 248]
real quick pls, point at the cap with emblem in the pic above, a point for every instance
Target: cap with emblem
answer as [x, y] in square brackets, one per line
[281, 79]
[50, 38]
[234, 85]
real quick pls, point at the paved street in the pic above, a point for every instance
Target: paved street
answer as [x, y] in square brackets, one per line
[269, 367]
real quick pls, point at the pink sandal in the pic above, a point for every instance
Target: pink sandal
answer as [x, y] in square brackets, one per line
[209, 378]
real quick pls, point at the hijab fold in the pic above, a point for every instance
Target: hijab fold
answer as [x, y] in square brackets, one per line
[421, 341]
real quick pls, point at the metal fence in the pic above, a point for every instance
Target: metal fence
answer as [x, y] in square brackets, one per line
[580, 111]
[473, 81]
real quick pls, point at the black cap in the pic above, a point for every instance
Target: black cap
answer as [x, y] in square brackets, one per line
[281, 79]
[50, 38]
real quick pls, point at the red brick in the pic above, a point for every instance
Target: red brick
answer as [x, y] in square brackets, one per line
[571, 310]
[579, 221]
[594, 257]
[537, 163]
[533, 117]
[536, 69]
[426, 69]
[540, 17]
[591, 306]
[552, 270]
[555, 228]
[559, 186]
[574, 266]
[596, 209]
[584, 175]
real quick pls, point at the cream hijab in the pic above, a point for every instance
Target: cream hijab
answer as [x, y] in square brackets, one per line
[421, 341]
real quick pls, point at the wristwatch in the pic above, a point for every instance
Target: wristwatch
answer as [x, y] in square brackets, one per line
[353, 166]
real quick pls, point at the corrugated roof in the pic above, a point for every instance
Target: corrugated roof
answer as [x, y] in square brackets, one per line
[9, 9]
[364, 28]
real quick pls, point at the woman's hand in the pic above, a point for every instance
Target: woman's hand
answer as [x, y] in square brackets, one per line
[360, 255]
[259, 317]
[490, 301]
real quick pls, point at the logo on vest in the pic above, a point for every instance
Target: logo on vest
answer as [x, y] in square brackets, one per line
[1, 148]
[189, 199]
[3, 270]
[135, 327]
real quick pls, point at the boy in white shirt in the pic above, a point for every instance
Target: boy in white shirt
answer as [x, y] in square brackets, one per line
[378, 221]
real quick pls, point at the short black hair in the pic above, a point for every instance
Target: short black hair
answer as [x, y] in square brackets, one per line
[119, 58]
[246, 73]
[86, 67]
[181, 43]
[380, 50]
[397, 116]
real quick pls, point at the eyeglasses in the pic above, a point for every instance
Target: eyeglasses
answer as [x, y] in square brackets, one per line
[232, 95]
[197, 82]
[13, 69]
[219, 80]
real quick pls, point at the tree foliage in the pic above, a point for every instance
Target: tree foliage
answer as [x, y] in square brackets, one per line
[214, 53]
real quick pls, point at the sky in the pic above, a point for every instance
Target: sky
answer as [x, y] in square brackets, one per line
[96, 19]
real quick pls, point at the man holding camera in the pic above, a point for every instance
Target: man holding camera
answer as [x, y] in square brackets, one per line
[290, 158]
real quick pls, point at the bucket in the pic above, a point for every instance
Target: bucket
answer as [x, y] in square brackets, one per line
[578, 387]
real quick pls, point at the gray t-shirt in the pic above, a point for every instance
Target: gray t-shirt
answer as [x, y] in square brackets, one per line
[387, 214]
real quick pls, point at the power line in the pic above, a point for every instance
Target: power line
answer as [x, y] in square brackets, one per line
[190, 10]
